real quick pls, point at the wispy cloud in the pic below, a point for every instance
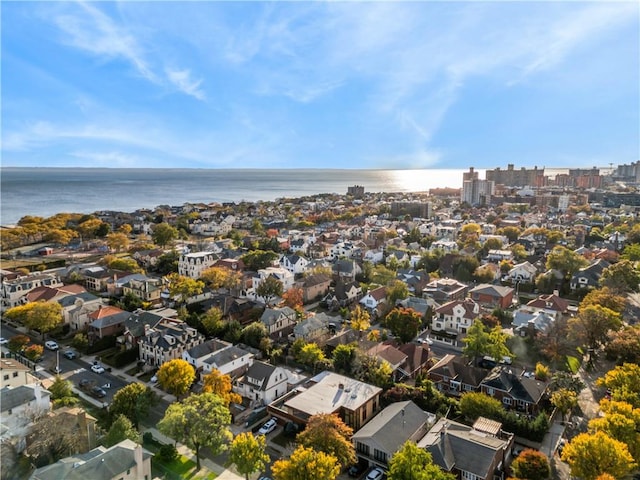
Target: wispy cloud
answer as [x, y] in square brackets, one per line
[182, 79]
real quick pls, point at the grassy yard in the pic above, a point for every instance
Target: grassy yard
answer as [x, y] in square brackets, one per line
[181, 467]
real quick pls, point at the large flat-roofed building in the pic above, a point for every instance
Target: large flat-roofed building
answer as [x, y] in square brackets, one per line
[517, 178]
[355, 402]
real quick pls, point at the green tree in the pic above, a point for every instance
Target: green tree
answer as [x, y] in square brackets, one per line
[167, 263]
[565, 260]
[133, 401]
[176, 376]
[404, 323]
[310, 354]
[631, 252]
[591, 455]
[212, 321]
[411, 462]
[382, 275]
[269, 288]
[344, 357]
[564, 400]
[121, 429]
[41, 316]
[476, 341]
[62, 392]
[124, 264]
[373, 370]
[200, 420]
[620, 421]
[247, 453]
[220, 384]
[592, 325]
[326, 432]
[259, 259]
[621, 277]
[253, 334]
[306, 463]
[163, 234]
[477, 404]
[531, 465]
[397, 290]
[182, 287]
[80, 342]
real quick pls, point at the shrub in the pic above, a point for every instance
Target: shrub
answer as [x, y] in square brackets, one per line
[167, 453]
[147, 437]
[102, 344]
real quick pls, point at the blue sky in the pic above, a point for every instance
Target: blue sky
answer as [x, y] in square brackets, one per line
[320, 84]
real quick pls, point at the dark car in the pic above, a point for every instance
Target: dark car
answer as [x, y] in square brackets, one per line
[85, 383]
[98, 392]
[357, 469]
[70, 354]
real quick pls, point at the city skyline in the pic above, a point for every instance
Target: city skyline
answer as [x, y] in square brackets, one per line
[320, 85]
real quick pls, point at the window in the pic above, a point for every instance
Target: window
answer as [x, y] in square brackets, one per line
[15, 374]
[6, 377]
[490, 391]
[506, 401]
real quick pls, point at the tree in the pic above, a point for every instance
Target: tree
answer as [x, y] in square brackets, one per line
[253, 334]
[269, 288]
[259, 259]
[542, 372]
[411, 462]
[398, 290]
[565, 260]
[621, 277]
[531, 465]
[310, 354]
[220, 384]
[124, 264]
[52, 438]
[217, 277]
[182, 287]
[212, 321]
[624, 345]
[373, 370]
[247, 453]
[176, 376]
[62, 392]
[343, 357]
[167, 263]
[624, 383]
[89, 227]
[476, 404]
[605, 297]
[293, 298]
[121, 429]
[382, 275]
[61, 236]
[118, 241]
[163, 234]
[591, 455]
[593, 323]
[41, 316]
[326, 432]
[80, 341]
[133, 401]
[33, 352]
[360, 319]
[17, 343]
[564, 400]
[404, 323]
[620, 421]
[484, 274]
[306, 463]
[200, 420]
[476, 341]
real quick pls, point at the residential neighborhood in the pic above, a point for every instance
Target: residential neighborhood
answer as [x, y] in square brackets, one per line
[493, 329]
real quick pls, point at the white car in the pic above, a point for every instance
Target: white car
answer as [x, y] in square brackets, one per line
[268, 427]
[3, 341]
[97, 368]
[51, 345]
[375, 474]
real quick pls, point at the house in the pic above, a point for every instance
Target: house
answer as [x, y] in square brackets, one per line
[479, 452]
[18, 408]
[516, 389]
[453, 319]
[139, 323]
[314, 287]
[453, 376]
[531, 322]
[262, 383]
[551, 304]
[13, 290]
[107, 320]
[283, 275]
[589, 277]
[492, 296]
[313, 328]
[219, 355]
[522, 272]
[146, 289]
[417, 359]
[126, 460]
[374, 256]
[355, 402]
[448, 246]
[193, 264]
[394, 357]
[343, 294]
[279, 321]
[14, 373]
[345, 270]
[167, 341]
[416, 281]
[148, 258]
[76, 309]
[443, 290]
[497, 256]
[378, 440]
[96, 279]
[374, 299]
[294, 263]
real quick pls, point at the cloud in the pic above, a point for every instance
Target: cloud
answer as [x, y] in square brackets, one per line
[111, 159]
[182, 80]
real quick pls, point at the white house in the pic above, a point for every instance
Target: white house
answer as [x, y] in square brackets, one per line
[444, 245]
[14, 291]
[77, 308]
[219, 355]
[456, 316]
[522, 272]
[374, 298]
[262, 383]
[294, 263]
[193, 264]
[20, 406]
[282, 274]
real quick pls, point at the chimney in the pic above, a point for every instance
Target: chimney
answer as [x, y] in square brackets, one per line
[137, 455]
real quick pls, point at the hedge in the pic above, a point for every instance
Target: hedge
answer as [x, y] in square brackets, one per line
[102, 344]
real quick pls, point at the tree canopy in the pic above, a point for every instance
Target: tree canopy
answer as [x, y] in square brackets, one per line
[133, 401]
[176, 376]
[220, 384]
[411, 462]
[121, 429]
[620, 421]
[182, 287]
[531, 465]
[269, 288]
[306, 463]
[247, 453]
[403, 323]
[163, 234]
[327, 433]
[480, 341]
[593, 323]
[591, 455]
[41, 316]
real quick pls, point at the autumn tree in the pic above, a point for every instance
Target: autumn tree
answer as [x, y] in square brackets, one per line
[118, 241]
[397, 290]
[621, 277]
[624, 345]
[41, 316]
[590, 455]
[176, 376]
[269, 288]
[212, 321]
[382, 275]
[344, 357]
[182, 287]
[605, 297]
[373, 370]
[403, 323]
[124, 264]
[310, 354]
[220, 277]
[624, 383]
[61, 236]
[592, 325]
[200, 420]
[121, 429]
[33, 352]
[247, 453]
[52, 437]
[163, 234]
[133, 401]
[542, 372]
[326, 432]
[531, 465]
[477, 404]
[220, 384]
[564, 400]
[306, 463]
[293, 298]
[620, 421]
[17, 343]
[411, 462]
[89, 227]
[360, 319]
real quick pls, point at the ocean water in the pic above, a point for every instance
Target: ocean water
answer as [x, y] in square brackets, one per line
[47, 191]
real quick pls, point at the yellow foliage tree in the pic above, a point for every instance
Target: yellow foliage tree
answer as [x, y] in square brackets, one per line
[176, 376]
[591, 455]
[308, 464]
[220, 384]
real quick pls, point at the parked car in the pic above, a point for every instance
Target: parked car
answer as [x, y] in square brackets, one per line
[70, 354]
[3, 341]
[85, 383]
[375, 474]
[51, 345]
[268, 427]
[98, 392]
[357, 469]
[97, 368]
